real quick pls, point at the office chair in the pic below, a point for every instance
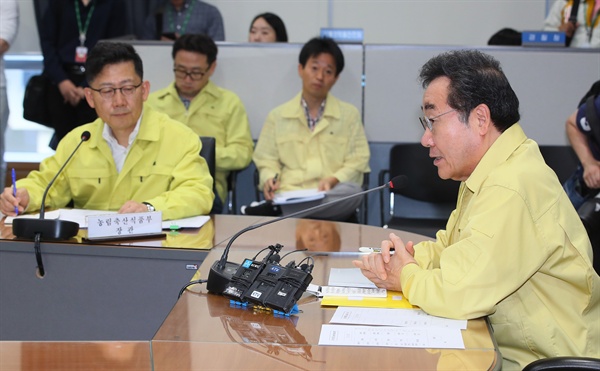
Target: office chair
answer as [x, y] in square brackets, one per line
[424, 185]
[564, 364]
[561, 159]
[208, 152]
[363, 210]
[564, 161]
[231, 193]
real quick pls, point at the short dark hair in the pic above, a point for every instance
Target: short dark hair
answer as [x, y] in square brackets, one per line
[274, 21]
[197, 43]
[110, 52]
[319, 45]
[475, 78]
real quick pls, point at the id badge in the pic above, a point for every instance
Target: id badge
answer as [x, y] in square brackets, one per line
[81, 54]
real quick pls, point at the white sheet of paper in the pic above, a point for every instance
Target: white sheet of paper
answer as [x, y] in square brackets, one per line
[48, 215]
[393, 317]
[191, 222]
[397, 337]
[348, 277]
[294, 197]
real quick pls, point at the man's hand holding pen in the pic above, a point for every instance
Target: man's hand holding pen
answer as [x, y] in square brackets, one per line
[271, 186]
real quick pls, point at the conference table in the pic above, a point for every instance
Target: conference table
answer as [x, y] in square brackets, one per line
[115, 306]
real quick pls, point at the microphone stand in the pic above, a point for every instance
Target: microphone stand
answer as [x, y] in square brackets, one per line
[51, 229]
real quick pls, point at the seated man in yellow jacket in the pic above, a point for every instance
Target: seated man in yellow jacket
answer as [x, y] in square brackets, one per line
[514, 249]
[314, 141]
[207, 109]
[136, 160]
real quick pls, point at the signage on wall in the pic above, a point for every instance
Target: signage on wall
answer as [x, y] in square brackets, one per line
[543, 38]
[344, 35]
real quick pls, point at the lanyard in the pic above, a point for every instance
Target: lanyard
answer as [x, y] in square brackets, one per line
[188, 13]
[83, 30]
[589, 27]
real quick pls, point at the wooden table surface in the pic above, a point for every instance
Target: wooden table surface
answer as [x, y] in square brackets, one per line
[204, 332]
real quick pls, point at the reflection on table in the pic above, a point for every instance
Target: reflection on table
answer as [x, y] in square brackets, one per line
[293, 233]
[117, 355]
[317, 235]
[205, 331]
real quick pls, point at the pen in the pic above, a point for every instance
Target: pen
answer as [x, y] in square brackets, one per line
[274, 181]
[369, 250]
[14, 182]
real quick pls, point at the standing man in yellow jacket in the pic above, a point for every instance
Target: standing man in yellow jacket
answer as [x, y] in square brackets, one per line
[207, 109]
[514, 249]
[136, 160]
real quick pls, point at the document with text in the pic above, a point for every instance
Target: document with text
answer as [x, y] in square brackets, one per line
[386, 336]
[410, 328]
[393, 317]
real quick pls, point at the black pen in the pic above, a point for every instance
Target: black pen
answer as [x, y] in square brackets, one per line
[274, 181]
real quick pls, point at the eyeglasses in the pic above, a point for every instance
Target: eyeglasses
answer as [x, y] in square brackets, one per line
[194, 74]
[428, 122]
[109, 93]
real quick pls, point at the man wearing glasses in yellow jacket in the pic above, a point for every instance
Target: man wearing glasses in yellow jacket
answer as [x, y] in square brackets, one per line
[136, 160]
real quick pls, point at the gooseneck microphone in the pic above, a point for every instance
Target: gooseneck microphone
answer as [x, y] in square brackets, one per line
[222, 270]
[85, 136]
[48, 229]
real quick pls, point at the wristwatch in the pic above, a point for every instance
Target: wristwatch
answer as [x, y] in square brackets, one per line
[149, 206]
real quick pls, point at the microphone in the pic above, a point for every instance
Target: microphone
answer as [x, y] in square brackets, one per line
[222, 270]
[50, 229]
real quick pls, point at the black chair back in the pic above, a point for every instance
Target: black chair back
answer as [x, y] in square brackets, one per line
[564, 364]
[423, 182]
[208, 152]
[562, 159]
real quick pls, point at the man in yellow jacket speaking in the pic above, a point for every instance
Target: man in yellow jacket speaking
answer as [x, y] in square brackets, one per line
[514, 249]
[136, 159]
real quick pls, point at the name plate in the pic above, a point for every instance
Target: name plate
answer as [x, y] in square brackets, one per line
[124, 225]
[344, 35]
[543, 38]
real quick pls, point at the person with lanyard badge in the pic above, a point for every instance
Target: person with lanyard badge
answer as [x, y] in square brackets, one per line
[180, 17]
[69, 28]
[584, 33]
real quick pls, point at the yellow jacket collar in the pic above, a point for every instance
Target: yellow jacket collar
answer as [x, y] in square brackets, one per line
[332, 108]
